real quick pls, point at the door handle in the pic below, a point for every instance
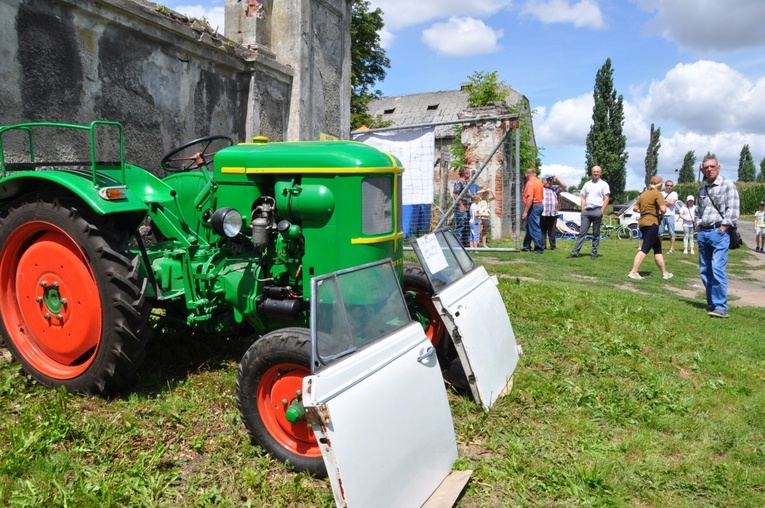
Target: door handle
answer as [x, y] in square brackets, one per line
[427, 354]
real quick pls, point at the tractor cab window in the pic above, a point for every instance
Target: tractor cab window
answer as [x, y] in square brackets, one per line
[376, 205]
[353, 308]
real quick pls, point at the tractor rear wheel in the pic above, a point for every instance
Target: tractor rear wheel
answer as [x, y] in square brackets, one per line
[269, 381]
[72, 307]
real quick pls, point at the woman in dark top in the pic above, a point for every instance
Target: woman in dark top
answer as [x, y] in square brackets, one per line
[651, 207]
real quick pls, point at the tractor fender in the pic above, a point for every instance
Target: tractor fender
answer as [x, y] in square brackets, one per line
[80, 183]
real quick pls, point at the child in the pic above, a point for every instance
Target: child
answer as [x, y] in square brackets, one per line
[759, 228]
[485, 213]
[475, 221]
[688, 214]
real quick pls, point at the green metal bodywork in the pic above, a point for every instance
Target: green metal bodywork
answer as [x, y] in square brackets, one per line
[341, 202]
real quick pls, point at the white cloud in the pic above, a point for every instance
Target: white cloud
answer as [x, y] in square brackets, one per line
[584, 13]
[386, 39]
[462, 37]
[708, 25]
[562, 129]
[726, 145]
[213, 15]
[635, 126]
[567, 123]
[706, 97]
[568, 174]
[402, 13]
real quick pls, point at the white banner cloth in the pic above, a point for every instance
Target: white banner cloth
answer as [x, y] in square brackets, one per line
[416, 149]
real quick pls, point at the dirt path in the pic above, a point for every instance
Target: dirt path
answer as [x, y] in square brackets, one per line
[750, 290]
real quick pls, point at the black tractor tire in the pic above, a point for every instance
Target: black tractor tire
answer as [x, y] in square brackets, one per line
[416, 281]
[72, 305]
[272, 371]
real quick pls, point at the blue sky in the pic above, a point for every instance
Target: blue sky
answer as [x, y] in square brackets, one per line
[695, 68]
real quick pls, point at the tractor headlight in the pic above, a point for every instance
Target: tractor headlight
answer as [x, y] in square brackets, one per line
[227, 222]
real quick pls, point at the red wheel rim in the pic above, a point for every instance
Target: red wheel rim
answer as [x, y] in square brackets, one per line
[281, 383]
[435, 329]
[50, 300]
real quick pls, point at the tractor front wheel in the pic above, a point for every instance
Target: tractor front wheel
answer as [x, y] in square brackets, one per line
[72, 307]
[268, 383]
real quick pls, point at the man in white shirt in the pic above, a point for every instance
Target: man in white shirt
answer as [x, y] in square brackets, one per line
[668, 221]
[595, 196]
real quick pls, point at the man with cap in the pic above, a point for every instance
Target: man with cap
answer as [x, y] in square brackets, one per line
[688, 214]
[759, 227]
[550, 207]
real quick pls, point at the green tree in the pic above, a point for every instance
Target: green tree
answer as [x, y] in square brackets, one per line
[529, 152]
[484, 87]
[688, 170]
[457, 149]
[746, 167]
[761, 176]
[606, 145]
[368, 63]
[652, 155]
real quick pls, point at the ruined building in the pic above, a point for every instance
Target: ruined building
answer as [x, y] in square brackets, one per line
[479, 138]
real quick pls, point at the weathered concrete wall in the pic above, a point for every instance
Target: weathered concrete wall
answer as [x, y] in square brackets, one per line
[168, 81]
[315, 35]
[74, 61]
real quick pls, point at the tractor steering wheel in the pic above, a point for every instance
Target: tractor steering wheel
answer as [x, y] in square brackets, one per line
[174, 162]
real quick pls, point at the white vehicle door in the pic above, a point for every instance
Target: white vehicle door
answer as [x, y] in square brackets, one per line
[474, 314]
[375, 399]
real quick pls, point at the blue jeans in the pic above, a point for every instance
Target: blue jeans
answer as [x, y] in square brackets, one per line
[461, 230]
[534, 229]
[713, 261]
[667, 224]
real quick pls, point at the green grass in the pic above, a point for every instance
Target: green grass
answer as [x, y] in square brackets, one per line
[627, 395]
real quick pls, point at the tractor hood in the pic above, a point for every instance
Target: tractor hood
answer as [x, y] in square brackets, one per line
[261, 156]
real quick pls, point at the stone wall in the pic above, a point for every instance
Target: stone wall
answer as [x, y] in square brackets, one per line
[480, 139]
[169, 80]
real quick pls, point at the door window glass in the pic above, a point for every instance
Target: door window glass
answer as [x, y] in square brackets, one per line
[443, 258]
[353, 308]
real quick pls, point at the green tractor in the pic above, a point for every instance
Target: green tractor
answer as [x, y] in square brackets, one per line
[231, 235]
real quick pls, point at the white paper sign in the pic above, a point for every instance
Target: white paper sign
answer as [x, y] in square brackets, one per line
[432, 254]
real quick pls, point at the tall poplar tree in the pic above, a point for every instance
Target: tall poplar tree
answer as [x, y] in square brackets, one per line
[746, 167]
[761, 176]
[652, 156]
[368, 62]
[606, 145]
[688, 170]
